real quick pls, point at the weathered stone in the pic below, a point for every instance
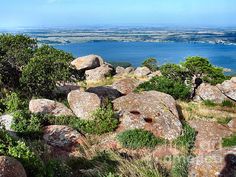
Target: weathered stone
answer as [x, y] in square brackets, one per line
[45, 106]
[10, 167]
[209, 92]
[209, 135]
[105, 92]
[232, 124]
[99, 73]
[83, 104]
[165, 151]
[229, 88]
[220, 163]
[65, 88]
[63, 137]
[142, 72]
[6, 121]
[153, 111]
[87, 62]
[126, 86]
[155, 74]
[120, 71]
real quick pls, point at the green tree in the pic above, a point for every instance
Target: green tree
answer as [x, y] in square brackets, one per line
[151, 63]
[45, 69]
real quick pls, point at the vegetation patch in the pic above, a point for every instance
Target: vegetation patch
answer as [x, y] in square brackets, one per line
[229, 141]
[209, 103]
[139, 138]
[227, 103]
[224, 120]
[180, 166]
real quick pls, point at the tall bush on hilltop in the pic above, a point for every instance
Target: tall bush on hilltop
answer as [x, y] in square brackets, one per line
[15, 52]
[45, 69]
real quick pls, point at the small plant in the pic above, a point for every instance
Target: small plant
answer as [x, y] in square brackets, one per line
[151, 63]
[209, 103]
[138, 138]
[187, 139]
[180, 167]
[224, 121]
[229, 141]
[174, 88]
[227, 103]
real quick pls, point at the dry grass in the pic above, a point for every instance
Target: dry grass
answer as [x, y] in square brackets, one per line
[194, 110]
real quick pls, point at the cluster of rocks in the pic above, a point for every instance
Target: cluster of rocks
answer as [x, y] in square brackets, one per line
[217, 93]
[96, 69]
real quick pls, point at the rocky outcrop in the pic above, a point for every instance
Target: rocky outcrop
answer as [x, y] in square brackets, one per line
[209, 92]
[120, 71]
[142, 72]
[87, 62]
[153, 111]
[83, 104]
[228, 88]
[218, 163]
[45, 106]
[63, 137]
[99, 73]
[209, 135]
[10, 167]
[65, 88]
[126, 86]
[105, 92]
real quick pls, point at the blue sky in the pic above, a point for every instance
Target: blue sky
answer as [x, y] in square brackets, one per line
[75, 13]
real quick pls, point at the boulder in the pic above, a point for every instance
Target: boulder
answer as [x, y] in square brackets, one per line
[105, 92]
[155, 74]
[65, 88]
[10, 167]
[120, 71]
[142, 72]
[45, 106]
[220, 163]
[229, 88]
[6, 121]
[62, 137]
[153, 111]
[232, 124]
[209, 92]
[87, 62]
[209, 135]
[99, 73]
[83, 104]
[125, 86]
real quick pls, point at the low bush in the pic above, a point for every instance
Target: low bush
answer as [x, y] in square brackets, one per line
[180, 166]
[229, 141]
[151, 63]
[187, 139]
[174, 88]
[138, 138]
[227, 103]
[224, 121]
[209, 103]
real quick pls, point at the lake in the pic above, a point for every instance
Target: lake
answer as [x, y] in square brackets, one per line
[166, 52]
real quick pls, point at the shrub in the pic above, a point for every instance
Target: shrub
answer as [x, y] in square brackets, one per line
[40, 76]
[18, 149]
[162, 84]
[224, 121]
[180, 167]
[187, 139]
[138, 138]
[151, 63]
[209, 103]
[227, 103]
[229, 141]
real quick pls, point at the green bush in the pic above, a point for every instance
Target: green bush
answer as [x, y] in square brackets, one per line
[19, 150]
[45, 69]
[180, 167]
[224, 121]
[229, 141]
[174, 88]
[187, 140]
[138, 138]
[151, 63]
[209, 103]
[227, 103]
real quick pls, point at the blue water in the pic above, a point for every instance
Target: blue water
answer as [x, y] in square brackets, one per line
[170, 52]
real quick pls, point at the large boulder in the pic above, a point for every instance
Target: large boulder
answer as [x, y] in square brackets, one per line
[66, 87]
[45, 106]
[209, 135]
[209, 92]
[220, 163]
[229, 88]
[105, 92]
[142, 71]
[99, 73]
[10, 167]
[6, 121]
[126, 86]
[87, 62]
[153, 111]
[63, 137]
[83, 104]
[120, 71]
